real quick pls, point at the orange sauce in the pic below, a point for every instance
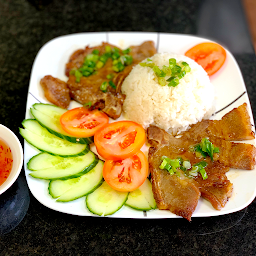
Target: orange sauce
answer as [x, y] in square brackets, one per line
[6, 161]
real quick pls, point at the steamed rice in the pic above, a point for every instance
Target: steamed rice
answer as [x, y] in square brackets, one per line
[173, 109]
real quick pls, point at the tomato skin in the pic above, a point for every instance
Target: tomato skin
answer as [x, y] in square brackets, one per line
[209, 55]
[81, 122]
[119, 140]
[127, 174]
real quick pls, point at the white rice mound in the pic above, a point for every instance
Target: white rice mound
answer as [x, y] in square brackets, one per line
[173, 109]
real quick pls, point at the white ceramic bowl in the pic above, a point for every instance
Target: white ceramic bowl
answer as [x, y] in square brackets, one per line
[13, 142]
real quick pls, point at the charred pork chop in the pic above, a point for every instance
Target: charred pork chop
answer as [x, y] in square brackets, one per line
[88, 88]
[216, 187]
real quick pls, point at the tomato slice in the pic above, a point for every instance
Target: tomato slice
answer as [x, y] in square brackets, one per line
[210, 56]
[119, 140]
[127, 174]
[82, 122]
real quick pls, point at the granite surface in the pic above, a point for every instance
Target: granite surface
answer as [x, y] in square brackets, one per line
[25, 26]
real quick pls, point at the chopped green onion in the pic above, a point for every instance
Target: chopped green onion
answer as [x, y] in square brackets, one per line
[145, 64]
[172, 63]
[186, 164]
[95, 51]
[108, 48]
[110, 76]
[91, 57]
[99, 64]
[163, 164]
[104, 86]
[115, 55]
[176, 69]
[118, 67]
[158, 71]
[112, 84]
[104, 58]
[166, 70]
[207, 147]
[87, 105]
[203, 173]
[174, 81]
[126, 59]
[78, 75]
[126, 51]
[162, 81]
[181, 74]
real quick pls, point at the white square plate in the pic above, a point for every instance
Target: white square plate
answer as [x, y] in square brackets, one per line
[231, 92]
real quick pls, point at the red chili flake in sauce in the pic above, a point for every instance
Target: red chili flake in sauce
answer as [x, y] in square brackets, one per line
[6, 161]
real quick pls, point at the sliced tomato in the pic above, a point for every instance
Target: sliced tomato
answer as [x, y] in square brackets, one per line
[119, 140]
[210, 56]
[127, 174]
[81, 122]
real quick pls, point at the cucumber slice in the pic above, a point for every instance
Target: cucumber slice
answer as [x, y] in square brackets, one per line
[105, 200]
[142, 198]
[42, 139]
[71, 189]
[64, 168]
[49, 117]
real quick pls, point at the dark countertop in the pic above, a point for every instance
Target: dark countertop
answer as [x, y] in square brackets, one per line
[25, 26]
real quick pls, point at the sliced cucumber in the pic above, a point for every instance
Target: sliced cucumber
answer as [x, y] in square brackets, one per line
[42, 139]
[71, 189]
[49, 117]
[105, 200]
[64, 167]
[142, 198]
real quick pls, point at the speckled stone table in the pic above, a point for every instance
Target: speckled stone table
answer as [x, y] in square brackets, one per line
[25, 26]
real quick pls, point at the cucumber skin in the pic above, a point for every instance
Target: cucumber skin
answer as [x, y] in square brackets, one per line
[91, 191]
[90, 210]
[87, 140]
[65, 201]
[86, 170]
[141, 209]
[32, 144]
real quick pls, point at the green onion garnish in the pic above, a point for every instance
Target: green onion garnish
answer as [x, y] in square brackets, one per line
[175, 70]
[110, 76]
[161, 81]
[112, 84]
[173, 81]
[78, 75]
[158, 71]
[104, 86]
[95, 51]
[126, 51]
[87, 105]
[205, 147]
[107, 48]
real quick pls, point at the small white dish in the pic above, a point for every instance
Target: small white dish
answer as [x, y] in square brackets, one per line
[17, 152]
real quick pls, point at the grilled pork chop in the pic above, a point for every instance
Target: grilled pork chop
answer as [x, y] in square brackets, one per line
[88, 89]
[216, 188]
[56, 91]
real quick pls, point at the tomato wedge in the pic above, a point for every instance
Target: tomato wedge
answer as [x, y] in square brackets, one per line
[127, 174]
[119, 140]
[82, 122]
[210, 56]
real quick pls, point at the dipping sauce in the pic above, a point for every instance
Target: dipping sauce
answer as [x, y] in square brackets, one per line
[6, 161]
